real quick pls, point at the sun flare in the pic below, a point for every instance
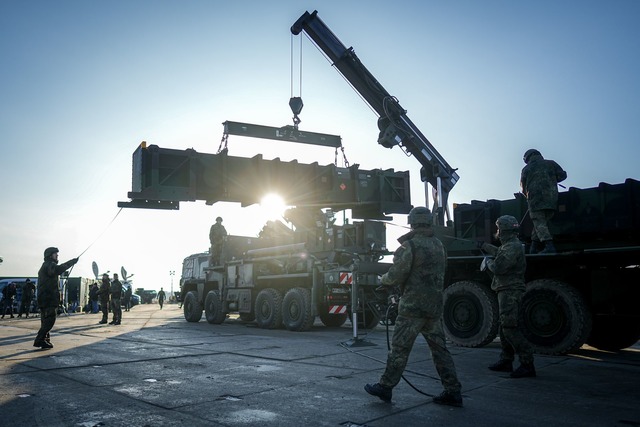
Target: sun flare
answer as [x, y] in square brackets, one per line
[273, 206]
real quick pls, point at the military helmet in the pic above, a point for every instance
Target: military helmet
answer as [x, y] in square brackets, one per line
[530, 152]
[420, 215]
[50, 251]
[508, 223]
[219, 219]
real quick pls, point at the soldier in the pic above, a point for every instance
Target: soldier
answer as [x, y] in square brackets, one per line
[116, 294]
[127, 298]
[8, 295]
[539, 181]
[508, 269]
[103, 294]
[49, 294]
[93, 298]
[418, 269]
[28, 290]
[161, 297]
[217, 233]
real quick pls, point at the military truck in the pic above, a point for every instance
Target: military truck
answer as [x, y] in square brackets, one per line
[287, 278]
[586, 293]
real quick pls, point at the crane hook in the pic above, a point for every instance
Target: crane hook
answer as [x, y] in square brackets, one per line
[295, 103]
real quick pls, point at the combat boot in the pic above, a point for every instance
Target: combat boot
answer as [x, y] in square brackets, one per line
[384, 393]
[502, 366]
[448, 398]
[524, 370]
[549, 248]
[43, 345]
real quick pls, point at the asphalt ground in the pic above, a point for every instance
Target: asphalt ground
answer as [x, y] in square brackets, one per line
[156, 369]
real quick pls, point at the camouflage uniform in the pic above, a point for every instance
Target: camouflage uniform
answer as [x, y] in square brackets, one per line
[418, 268]
[217, 234]
[508, 268]
[49, 294]
[116, 303]
[28, 290]
[103, 293]
[539, 181]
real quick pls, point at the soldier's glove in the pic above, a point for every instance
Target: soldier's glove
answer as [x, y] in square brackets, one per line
[483, 265]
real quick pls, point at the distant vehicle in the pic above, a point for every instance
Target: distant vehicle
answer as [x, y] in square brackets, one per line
[135, 300]
[146, 296]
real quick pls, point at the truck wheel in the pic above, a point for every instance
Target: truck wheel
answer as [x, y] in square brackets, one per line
[213, 308]
[269, 309]
[192, 308]
[613, 333]
[470, 314]
[554, 317]
[331, 320]
[296, 310]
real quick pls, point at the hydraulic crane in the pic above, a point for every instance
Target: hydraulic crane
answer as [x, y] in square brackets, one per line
[395, 126]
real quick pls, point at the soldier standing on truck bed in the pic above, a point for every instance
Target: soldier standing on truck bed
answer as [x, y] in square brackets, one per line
[217, 233]
[539, 181]
[508, 268]
[418, 268]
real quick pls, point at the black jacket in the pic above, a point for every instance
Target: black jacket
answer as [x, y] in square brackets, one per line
[48, 282]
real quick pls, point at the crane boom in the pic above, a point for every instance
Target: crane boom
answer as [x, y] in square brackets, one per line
[395, 126]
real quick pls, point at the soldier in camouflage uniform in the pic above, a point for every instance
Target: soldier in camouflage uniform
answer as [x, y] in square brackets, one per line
[49, 294]
[539, 181]
[217, 233]
[418, 269]
[103, 294]
[508, 269]
[116, 304]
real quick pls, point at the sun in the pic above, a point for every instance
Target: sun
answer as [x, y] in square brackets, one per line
[272, 206]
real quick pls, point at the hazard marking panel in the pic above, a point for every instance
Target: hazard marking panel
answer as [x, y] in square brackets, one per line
[337, 309]
[346, 278]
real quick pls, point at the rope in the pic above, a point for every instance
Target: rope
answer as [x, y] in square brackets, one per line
[92, 243]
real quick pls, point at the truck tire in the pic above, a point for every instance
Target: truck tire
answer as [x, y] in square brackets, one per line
[192, 308]
[613, 333]
[331, 320]
[554, 317]
[213, 308]
[269, 309]
[296, 310]
[470, 314]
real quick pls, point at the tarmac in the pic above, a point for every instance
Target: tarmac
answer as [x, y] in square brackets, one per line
[156, 369]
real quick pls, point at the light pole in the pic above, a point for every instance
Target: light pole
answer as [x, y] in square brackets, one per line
[172, 273]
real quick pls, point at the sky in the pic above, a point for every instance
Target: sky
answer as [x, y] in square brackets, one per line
[83, 83]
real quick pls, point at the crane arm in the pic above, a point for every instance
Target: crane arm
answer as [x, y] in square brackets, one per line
[395, 126]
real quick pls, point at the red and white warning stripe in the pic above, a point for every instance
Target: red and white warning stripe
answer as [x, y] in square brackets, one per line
[346, 278]
[337, 309]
